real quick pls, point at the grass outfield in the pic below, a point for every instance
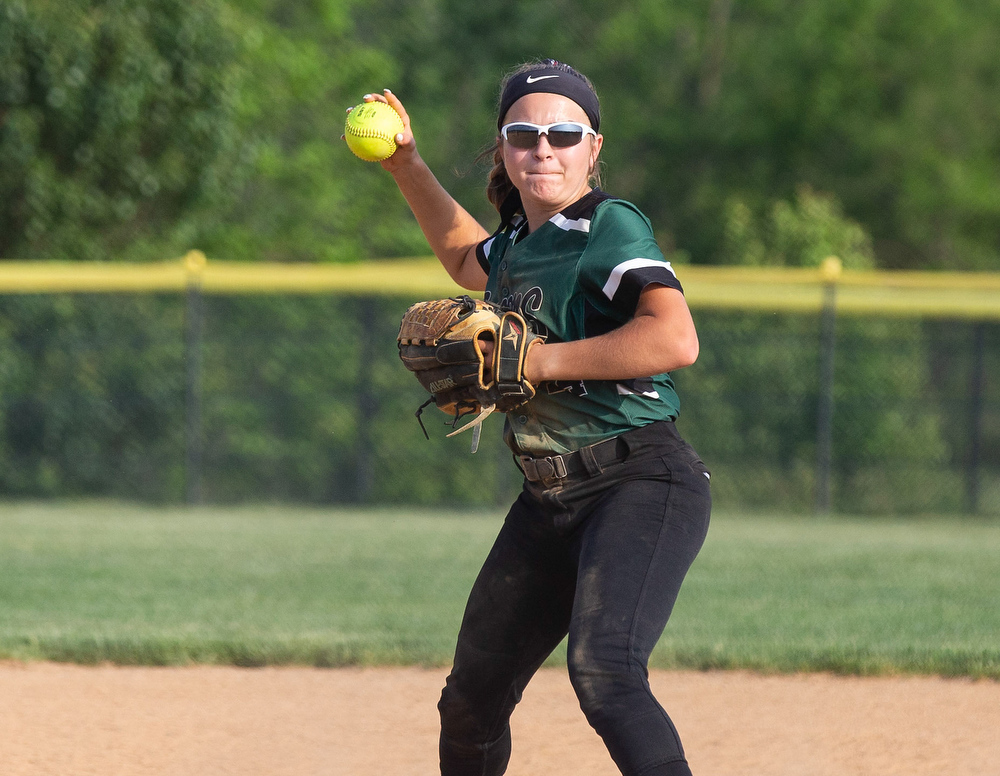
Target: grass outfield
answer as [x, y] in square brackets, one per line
[277, 585]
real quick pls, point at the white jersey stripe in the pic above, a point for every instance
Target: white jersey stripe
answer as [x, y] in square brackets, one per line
[624, 390]
[580, 225]
[611, 287]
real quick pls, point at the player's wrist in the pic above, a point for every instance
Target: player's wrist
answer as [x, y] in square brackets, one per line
[405, 163]
[534, 363]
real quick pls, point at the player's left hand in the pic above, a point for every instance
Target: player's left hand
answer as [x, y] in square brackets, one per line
[468, 355]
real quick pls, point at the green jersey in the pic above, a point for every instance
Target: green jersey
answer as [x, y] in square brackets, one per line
[580, 275]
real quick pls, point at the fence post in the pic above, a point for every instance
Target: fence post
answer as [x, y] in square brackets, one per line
[367, 406]
[194, 266]
[977, 383]
[829, 273]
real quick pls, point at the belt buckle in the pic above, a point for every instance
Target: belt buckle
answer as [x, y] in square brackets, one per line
[552, 467]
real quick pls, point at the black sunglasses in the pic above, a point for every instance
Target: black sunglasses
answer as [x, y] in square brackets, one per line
[562, 134]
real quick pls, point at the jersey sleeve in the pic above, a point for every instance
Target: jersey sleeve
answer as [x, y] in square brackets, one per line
[483, 253]
[496, 244]
[622, 258]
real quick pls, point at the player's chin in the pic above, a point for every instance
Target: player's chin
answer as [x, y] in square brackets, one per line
[545, 188]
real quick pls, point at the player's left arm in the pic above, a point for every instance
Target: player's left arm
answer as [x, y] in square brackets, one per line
[660, 337]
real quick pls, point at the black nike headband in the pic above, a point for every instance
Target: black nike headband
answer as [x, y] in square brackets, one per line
[551, 80]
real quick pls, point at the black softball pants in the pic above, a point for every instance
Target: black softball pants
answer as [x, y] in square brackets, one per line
[601, 559]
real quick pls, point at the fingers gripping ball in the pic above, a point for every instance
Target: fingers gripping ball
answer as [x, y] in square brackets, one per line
[371, 129]
[440, 342]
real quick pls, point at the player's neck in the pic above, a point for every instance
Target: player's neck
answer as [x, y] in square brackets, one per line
[537, 213]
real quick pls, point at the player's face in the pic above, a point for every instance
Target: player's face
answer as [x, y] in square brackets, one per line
[548, 178]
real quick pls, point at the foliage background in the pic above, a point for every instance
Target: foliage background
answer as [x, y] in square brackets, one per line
[759, 132]
[145, 127]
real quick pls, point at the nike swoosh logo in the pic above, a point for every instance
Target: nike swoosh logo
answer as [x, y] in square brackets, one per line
[531, 79]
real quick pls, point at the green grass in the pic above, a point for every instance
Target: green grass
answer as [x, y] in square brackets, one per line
[276, 585]
[859, 596]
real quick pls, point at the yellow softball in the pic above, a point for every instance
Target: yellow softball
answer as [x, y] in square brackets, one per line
[371, 131]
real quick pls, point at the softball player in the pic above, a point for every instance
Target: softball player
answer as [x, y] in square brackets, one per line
[615, 505]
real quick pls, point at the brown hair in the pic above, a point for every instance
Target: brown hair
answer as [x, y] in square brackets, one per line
[499, 185]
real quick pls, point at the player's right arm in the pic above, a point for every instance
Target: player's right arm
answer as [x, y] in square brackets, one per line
[451, 231]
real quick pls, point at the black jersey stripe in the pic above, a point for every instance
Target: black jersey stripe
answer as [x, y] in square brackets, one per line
[483, 253]
[630, 278]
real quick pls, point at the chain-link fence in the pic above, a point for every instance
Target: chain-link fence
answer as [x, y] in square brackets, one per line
[224, 398]
[909, 424]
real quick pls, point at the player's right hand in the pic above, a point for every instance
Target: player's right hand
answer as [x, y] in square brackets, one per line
[406, 147]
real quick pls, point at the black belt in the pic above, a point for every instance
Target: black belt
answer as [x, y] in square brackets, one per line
[589, 460]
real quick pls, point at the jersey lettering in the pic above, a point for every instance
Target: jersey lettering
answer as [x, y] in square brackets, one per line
[524, 302]
[577, 388]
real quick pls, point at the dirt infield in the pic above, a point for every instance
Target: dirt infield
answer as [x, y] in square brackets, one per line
[74, 721]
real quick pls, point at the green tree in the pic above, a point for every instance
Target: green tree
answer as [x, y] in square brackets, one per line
[888, 105]
[800, 233]
[116, 125]
[307, 198]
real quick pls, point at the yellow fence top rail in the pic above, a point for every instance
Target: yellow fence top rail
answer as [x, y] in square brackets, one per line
[396, 276]
[913, 294]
